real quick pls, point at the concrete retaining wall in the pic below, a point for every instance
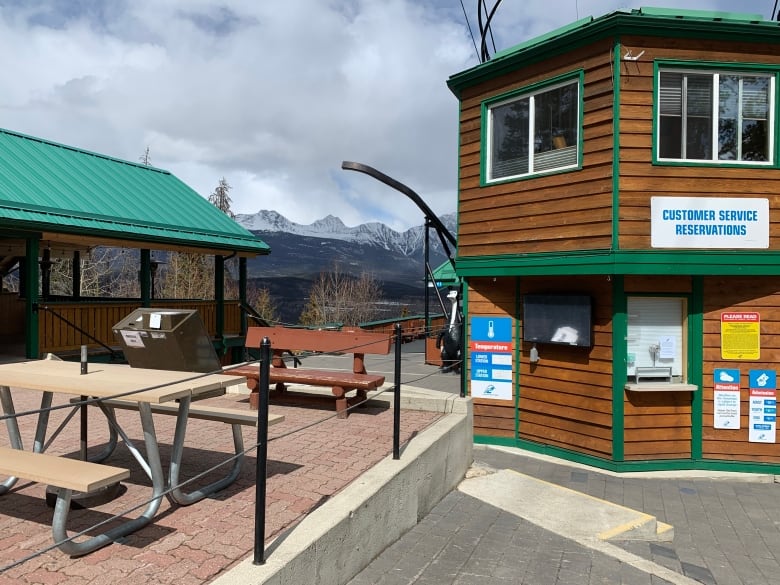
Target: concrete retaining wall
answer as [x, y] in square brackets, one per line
[340, 538]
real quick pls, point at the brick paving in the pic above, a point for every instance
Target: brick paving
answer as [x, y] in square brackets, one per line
[191, 545]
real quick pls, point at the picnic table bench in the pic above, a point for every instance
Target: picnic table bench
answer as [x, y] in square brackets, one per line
[68, 476]
[290, 340]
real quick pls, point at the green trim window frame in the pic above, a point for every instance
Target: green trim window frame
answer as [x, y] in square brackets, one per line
[534, 130]
[715, 114]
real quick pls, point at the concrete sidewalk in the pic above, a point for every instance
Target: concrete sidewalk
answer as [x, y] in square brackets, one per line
[526, 519]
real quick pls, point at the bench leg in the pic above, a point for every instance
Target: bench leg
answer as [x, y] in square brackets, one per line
[254, 395]
[341, 401]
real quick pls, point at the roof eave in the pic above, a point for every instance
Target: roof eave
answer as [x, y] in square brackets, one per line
[612, 26]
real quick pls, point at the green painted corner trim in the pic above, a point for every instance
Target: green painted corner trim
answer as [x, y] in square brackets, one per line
[619, 365]
[498, 441]
[695, 361]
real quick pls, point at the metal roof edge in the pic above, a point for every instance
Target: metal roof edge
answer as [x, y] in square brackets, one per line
[82, 151]
[647, 21]
[166, 232]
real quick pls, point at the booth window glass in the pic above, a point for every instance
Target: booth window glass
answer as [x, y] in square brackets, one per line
[656, 339]
[534, 132]
[715, 116]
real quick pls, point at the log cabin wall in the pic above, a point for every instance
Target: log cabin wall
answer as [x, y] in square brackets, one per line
[565, 399]
[722, 294]
[640, 179]
[498, 297]
[557, 212]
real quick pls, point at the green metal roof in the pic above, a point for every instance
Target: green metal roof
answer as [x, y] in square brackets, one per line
[444, 274]
[663, 22]
[45, 186]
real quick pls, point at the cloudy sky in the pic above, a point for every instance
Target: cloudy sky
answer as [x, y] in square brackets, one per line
[273, 96]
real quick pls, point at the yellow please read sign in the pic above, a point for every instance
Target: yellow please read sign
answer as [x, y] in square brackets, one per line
[740, 335]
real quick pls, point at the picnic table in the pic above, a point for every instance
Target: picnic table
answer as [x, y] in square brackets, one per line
[144, 390]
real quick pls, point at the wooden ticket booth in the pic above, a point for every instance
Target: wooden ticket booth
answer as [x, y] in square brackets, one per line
[619, 238]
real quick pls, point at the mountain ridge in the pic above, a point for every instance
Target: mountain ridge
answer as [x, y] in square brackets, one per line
[330, 227]
[300, 253]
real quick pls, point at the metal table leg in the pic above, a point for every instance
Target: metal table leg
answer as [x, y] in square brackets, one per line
[187, 498]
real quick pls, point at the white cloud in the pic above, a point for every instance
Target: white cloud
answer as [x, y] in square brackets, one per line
[271, 96]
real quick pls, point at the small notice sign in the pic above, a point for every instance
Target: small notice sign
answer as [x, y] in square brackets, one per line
[763, 406]
[740, 335]
[726, 399]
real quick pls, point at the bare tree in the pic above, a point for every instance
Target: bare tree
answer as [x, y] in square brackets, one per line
[146, 158]
[337, 297]
[221, 198]
[262, 302]
[188, 275]
[105, 272]
[191, 275]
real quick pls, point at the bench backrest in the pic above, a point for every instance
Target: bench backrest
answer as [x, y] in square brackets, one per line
[288, 338]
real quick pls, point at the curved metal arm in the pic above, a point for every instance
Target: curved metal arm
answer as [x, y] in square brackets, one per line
[444, 234]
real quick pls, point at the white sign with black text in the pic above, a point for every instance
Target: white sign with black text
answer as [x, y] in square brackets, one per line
[709, 222]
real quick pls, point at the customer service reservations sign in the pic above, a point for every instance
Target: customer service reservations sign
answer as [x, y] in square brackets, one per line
[709, 222]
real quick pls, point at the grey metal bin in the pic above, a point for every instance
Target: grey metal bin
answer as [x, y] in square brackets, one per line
[166, 339]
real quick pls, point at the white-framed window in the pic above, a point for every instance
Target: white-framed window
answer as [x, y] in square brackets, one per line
[534, 132]
[715, 116]
[656, 339]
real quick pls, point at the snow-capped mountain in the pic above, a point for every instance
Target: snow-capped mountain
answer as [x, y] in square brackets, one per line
[300, 253]
[407, 243]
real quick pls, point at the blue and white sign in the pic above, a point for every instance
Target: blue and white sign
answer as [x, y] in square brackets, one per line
[709, 222]
[490, 353]
[727, 398]
[763, 406]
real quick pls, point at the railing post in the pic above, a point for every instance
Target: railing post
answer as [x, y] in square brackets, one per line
[262, 451]
[397, 395]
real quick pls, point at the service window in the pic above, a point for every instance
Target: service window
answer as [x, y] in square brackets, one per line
[715, 116]
[533, 132]
[656, 339]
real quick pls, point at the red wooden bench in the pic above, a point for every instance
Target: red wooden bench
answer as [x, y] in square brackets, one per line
[290, 340]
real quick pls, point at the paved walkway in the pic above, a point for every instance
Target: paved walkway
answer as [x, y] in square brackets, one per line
[726, 531]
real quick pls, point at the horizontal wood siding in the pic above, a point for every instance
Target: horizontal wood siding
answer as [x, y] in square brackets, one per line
[494, 418]
[58, 326]
[566, 398]
[657, 425]
[558, 212]
[640, 179]
[760, 294]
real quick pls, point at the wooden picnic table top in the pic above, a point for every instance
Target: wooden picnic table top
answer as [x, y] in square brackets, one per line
[106, 380]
